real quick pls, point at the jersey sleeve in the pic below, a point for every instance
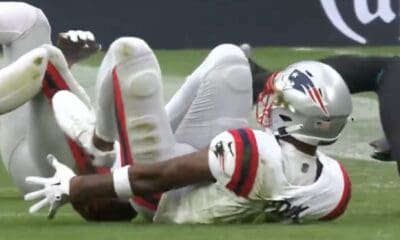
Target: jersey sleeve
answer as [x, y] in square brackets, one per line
[345, 196]
[234, 159]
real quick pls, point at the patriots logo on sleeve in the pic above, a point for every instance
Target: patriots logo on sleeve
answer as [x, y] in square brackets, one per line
[304, 84]
[219, 153]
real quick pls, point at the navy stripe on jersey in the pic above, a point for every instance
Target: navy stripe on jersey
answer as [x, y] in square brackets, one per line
[246, 162]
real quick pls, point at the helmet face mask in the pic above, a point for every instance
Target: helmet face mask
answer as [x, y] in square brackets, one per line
[311, 104]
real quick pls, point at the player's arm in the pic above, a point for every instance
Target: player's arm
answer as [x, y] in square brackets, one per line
[144, 178]
[220, 163]
[91, 194]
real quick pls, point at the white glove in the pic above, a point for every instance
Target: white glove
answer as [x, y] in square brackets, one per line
[78, 35]
[55, 190]
[77, 45]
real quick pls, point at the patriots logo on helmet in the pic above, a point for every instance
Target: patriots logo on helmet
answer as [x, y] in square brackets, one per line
[304, 84]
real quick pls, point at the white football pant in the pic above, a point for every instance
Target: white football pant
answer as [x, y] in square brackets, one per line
[22, 28]
[215, 97]
[28, 129]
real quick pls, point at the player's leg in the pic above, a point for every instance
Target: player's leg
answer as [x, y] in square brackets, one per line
[29, 131]
[388, 98]
[215, 97]
[382, 150]
[130, 107]
[24, 78]
[33, 79]
[130, 88]
[18, 22]
[22, 28]
[19, 82]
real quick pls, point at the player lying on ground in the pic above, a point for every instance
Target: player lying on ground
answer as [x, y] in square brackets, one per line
[26, 114]
[35, 141]
[237, 175]
[361, 74]
[28, 128]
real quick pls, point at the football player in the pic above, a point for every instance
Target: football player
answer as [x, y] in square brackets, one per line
[212, 166]
[28, 128]
[361, 74]
[25, 112]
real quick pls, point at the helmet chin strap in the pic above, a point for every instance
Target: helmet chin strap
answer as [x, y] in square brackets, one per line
[284, 131]
[309, 141]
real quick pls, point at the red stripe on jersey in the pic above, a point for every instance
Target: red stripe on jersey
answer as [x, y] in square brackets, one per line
[51, 84]
[346, 196]
[126, 156]
[238, 161]
[252, 171]
[149, 202]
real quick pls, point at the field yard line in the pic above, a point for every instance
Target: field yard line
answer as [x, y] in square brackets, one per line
[336, 51]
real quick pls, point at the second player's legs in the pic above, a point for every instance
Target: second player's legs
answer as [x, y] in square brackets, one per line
[26, 86]
[215, 97]
[130, 107]
[15, 90]
[17, 44]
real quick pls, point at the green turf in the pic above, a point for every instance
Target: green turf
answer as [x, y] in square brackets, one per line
[374, 212]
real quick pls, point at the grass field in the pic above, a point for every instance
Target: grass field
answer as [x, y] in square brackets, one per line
[374, 212]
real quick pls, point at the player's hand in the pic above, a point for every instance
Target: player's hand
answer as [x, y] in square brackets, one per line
[77, 45]
[55, 190]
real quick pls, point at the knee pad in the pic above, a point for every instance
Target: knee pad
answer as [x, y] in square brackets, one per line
[226, 53]
[126, 48]
[145, 83]
[137, 67]
[42, 21]
[149, 140]
[236, 76]
[228, 64]
[22, 80]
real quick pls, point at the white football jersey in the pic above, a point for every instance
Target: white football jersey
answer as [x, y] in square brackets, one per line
[251, 185]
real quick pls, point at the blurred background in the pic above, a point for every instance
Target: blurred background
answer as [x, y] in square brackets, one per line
[172, 24]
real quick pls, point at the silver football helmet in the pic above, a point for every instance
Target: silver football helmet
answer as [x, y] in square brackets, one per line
[309, 101]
